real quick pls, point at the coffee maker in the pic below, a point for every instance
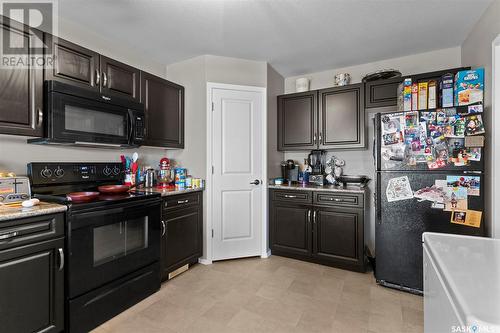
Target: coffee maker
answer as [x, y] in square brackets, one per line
[317, 162]
[290, 171]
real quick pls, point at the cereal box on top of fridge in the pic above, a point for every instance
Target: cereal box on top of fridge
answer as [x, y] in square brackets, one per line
[407, 94]
[446, 85]
[414, 97]
[422, 95]
[469, 87]
[432, 94]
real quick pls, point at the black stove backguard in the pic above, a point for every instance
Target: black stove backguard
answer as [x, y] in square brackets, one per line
[113, 243]
[61, 178]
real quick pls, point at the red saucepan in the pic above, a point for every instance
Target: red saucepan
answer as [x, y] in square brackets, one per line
[113, 189]
[116, 189]
[78, 197]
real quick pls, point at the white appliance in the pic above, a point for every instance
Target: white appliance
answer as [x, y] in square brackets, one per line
[461, 283]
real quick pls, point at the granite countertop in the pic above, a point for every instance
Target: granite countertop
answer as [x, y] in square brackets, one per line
[327, 188]
[18, 212]
[168, 192]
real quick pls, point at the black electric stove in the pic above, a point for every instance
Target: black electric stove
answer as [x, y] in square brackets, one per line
[112, 243]
[53, 181]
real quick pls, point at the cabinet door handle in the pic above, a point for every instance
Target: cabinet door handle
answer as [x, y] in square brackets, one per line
[314, 217]
[182, 201]
[8, 235]
[320, 137]
[39, 118]
[61, 259]
[97, 77]
[314, 138]
[163, 228]
[290, 196]
[308, 216]
[104, 79]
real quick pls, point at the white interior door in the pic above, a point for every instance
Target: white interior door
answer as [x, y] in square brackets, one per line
[237, 156]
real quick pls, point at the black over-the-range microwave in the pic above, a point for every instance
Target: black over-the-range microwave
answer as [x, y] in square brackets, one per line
[77, 116]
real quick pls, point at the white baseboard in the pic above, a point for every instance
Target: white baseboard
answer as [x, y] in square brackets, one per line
[205, 261]
[266, 255]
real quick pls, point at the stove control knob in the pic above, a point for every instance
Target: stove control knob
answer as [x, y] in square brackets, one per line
[46, 173]
[106, 171]
[59, 172]
[116, 171]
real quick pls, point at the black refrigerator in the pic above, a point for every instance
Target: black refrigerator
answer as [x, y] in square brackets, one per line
[418, 171]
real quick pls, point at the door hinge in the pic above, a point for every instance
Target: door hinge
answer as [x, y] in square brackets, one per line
[213, 106]
[212, 233]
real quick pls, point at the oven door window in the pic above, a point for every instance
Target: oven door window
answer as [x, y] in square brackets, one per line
[120, 239]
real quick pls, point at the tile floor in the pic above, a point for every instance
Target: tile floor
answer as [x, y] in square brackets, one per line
[271, 295]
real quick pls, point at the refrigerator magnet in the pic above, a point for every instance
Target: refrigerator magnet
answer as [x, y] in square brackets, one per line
[455, 199]
[471, 218]
[474, 141]
[474, 125]
[472, 184]
[399, 188]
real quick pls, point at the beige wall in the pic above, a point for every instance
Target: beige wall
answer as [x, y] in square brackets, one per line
[15, 153]
[235, 71]
[275, 86]
[477, 52]
[119, 51]
[360, 162]
[428, 61]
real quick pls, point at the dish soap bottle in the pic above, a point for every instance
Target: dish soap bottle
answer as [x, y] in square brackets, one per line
[307, 172]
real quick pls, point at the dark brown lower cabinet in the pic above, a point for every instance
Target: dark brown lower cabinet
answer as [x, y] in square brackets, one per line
[182, 235]
[32, 276]
[291, 229]
[338, 236]
[325, 232]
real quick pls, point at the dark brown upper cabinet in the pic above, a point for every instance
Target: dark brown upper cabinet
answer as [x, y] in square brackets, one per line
[341, 117]
[164, 107]
[21, 87]
[327, 119]
[382, 93]
[297, 121]
[76, 65]
[119, 79]
[71, 63]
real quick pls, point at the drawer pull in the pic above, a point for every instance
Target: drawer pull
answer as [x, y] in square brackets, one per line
[182, 201]
[290, 196]
[8, 235]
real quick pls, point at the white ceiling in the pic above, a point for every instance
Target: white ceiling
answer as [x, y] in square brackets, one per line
[294, 36]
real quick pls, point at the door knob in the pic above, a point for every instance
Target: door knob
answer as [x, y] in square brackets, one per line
[255, 182]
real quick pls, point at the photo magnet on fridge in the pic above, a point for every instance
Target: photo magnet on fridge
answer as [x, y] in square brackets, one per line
[471, 183]
[473, 109]
[474, 154]
[474, 125]
[471, 218]
[456, 199]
